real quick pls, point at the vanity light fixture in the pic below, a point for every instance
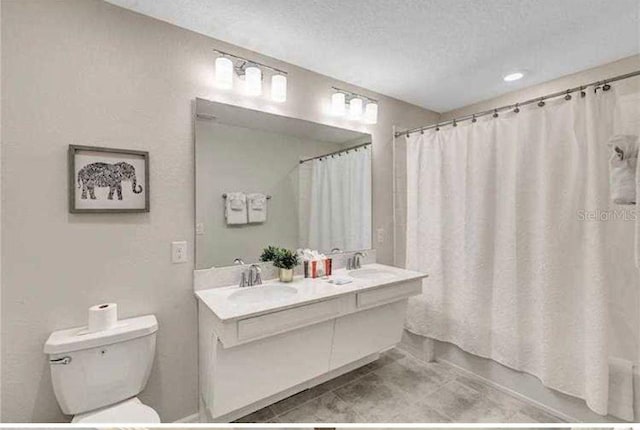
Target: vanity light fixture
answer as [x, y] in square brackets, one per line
[355, 108]
[513, 76]
[371, 113]
[224, 72]
[356, 102]
[279, 88]
[253, 80]
[338, 107]
[252, 73]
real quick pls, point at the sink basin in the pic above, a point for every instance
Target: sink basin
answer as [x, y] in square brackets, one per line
[263, 293]
[371, 274]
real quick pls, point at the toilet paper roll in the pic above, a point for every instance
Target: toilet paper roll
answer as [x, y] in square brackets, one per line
[102, 317]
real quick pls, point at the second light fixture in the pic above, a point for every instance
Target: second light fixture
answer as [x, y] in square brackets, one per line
[252, 72]
[355, 106]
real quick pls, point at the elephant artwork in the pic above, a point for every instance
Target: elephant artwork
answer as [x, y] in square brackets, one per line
[108, 180]
[107, 175]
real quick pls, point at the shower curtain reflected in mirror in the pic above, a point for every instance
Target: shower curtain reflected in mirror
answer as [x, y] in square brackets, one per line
[498, 215]
[339, 203]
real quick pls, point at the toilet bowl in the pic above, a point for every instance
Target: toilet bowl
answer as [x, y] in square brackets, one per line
[97, 376]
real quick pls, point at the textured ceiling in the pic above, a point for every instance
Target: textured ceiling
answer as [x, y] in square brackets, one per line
[439, 54]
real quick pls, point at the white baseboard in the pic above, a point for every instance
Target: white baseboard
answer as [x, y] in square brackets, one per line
[190, 419]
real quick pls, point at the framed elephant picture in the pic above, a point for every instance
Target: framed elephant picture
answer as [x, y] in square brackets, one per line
[108, 180]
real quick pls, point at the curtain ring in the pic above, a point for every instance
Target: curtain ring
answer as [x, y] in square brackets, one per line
[474, 119]
[407, 135]
[454, 123]
[495, 113]
[541, 103]
[606, 87]
[422, 131]
[437, 127]
[517, 109]
[568, 96]
[582, 92]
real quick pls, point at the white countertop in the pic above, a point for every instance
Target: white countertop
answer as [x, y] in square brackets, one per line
[308, 291]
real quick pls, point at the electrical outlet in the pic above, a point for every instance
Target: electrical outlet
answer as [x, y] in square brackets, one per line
[179, 252]
[380, 237]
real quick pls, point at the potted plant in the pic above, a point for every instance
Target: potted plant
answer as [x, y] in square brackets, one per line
[269, 253]
[286, 260]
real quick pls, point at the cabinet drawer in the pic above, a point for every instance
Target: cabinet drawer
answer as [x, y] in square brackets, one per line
[289, 319]
[389, 294]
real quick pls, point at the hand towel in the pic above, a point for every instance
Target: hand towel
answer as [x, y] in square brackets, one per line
[235, 209]
[257, 207]
[622, 169]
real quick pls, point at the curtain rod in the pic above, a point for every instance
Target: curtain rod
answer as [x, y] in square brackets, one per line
[335, 152]
[540, 100]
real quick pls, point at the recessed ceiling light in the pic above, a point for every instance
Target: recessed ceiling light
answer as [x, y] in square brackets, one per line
[513, 76]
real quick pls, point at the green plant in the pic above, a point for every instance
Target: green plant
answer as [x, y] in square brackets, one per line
[270, 253]
[286, 259]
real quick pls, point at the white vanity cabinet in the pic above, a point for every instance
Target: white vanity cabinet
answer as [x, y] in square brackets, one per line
[252, 355]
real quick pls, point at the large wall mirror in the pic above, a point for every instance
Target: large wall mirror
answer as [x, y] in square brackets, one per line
[264, 179]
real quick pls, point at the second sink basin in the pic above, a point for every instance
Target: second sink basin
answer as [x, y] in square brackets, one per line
[371, 274]
[263, 293]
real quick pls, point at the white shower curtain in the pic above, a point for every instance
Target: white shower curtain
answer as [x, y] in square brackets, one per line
[340, 201]
[498, 214]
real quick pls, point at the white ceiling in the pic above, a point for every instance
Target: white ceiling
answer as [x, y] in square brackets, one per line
[439, 54]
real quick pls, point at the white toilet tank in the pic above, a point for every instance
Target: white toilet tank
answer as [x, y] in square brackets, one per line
[93, 370]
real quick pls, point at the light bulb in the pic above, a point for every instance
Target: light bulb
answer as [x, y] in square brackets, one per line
[337, 104]
[355, 108]
[253, 80]
[513, 77]
[371, 113]
[224, 72]
[279, 88]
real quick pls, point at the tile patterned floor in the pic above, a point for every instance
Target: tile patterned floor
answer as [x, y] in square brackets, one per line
[399, 388]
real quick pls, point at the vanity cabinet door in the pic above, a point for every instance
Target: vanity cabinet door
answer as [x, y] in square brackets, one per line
[367, 332]
[260, 369]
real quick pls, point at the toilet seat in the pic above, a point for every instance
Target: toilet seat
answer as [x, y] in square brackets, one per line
[129, 411]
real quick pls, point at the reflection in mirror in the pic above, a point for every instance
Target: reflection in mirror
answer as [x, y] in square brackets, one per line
[264, 179]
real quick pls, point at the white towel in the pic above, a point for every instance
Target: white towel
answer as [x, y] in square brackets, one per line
[235, 208]
[257, 207]
[622, 169]
[621, 388]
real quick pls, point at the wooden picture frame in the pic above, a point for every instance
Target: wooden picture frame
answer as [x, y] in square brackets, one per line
[108, 180]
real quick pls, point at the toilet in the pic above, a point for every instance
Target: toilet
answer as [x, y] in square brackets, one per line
[97, 376]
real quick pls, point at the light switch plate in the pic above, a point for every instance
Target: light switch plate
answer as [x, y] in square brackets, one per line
[380, 233]
[179, 252]
[200, 228]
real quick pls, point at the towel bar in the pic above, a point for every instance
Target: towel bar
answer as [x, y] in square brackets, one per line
[224, 196]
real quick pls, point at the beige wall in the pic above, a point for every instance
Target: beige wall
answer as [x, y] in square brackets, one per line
[87, 72]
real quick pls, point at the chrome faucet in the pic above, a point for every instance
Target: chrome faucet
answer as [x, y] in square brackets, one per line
[251, 276]
[354, 262]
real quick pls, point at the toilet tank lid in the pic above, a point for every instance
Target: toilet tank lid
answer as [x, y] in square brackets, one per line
[78, 338]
